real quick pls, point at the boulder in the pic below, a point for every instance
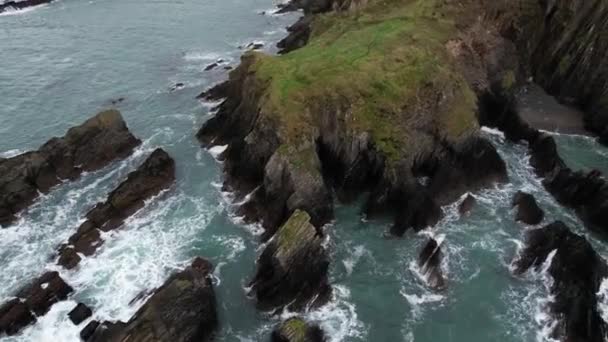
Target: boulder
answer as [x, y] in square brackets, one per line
[182, 310]
[32, 301]
[528, 210]
[292, 269]
[87, 332]
[429, 263]
[297, 330]
[577, 272]
[466, 206]
[155, 174]
[80, 313]
[88, 147]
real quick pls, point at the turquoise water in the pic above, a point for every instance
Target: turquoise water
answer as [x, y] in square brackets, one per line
[63, 62]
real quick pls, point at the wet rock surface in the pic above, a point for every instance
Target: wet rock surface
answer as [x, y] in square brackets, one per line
[292, 269]
[183, 309]
[297, 330]
[577, 272]
[467, 205]
[429, 263]
[528, 210]
[155, 174]
[88, 147]
[80, 313]
[32, 301]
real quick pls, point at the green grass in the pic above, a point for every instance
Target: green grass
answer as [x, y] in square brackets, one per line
[385, 68]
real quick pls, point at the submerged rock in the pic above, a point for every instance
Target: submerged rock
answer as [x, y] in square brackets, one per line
[297, 330]
[155, 174]
[577, 272]
[528, 210]
[88, 147]
[182, 310]
[429, 263]
[32, 301]
[292, 269]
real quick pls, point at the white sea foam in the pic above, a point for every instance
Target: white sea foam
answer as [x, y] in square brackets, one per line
[10, 153]
[602, 300]
[217, 150]
[55, 324]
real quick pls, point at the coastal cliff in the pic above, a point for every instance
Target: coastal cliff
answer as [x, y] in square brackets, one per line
[375, 102]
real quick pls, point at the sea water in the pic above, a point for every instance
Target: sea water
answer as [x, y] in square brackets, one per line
[63, 62]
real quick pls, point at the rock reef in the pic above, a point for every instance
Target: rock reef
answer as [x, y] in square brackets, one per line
[182, 310]
[292, 269]
[577, 272]
[32, 301]
[155, 174]
[88, 147]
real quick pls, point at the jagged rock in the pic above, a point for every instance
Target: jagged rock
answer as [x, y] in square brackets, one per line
[21, 4]
[292, 269]
[87, 332]
[297, 330]
[155, 174]
[80, 313]
[88, 147]
[183, 309]
[14, 316]
[577, 272]
[466, 206]
[33, 300]
[429, 262]
[528, 210]
[298, 36]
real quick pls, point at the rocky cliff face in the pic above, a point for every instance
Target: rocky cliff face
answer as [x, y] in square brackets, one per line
[374, 102]
[577, 272]
[292, 269]
[88, 147]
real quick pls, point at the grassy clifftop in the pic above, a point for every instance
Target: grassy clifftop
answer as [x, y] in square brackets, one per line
[385, 67]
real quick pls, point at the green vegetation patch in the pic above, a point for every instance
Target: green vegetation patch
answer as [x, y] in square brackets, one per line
[385, 67]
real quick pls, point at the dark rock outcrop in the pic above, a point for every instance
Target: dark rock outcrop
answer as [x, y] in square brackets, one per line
[21, 4]
[585, 192]
[155, 174]
[528, 210]
[429, 263]
[80, 313]
[466, 206]
[182, 310]
[31, 301]
[297, 330]
[577, 272]
[292, 269]
[88, 147]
